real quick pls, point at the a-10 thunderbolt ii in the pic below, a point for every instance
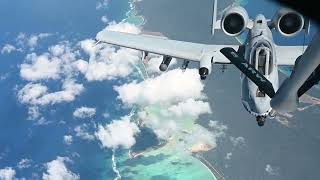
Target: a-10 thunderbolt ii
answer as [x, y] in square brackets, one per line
[257, 58]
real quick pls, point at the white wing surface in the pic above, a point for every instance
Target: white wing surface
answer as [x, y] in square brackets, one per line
[163, 46]
[287, 55]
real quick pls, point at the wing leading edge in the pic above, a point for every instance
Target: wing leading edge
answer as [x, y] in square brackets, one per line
[163, 46]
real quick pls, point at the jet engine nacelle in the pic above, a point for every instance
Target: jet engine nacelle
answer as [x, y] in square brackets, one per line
[234, 21]
[288, 22]
[205, 66]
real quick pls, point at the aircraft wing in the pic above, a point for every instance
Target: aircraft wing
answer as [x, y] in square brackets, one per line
[287, 55]
[163, 46]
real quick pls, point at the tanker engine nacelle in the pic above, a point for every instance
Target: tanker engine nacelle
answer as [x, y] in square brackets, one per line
[288, 22]
[234, 21]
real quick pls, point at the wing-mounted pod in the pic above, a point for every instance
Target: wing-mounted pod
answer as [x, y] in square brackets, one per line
[288, 22]
[165, 63]
[234, 21]
[205, 66]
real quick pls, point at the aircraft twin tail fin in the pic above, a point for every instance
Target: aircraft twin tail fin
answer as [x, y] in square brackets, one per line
[215, 23]
[255, 76]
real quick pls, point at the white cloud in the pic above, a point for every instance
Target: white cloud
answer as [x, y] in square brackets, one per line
[105, 63]
[82, 132]
[7, 173]
[57, 170]
[30, 93]
[60, 60]
[32, 40]
[7, 49]
[24, 163]
[33, 113]
[152, 66]
[104, 19]
[201, 134]
[41, 68]
[163, 127]
[120, 27]
[67, 139]
[274, 171]
[37, 94]
[81, 66]
[170, 87]
[106, 115]
[238, 141]
[84, 112]
[218, 127]
[189, 108]
[228, 156]
[102, 4]
[120, 133]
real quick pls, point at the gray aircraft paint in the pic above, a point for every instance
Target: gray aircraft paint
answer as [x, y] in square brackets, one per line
[259, 35]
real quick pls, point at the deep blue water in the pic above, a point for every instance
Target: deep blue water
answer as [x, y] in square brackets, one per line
[71, 20]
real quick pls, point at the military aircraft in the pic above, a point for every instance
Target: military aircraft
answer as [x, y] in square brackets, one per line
[257, 58]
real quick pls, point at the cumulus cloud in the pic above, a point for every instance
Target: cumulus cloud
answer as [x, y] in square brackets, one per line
[33, 113]
[37, 94]
[171, 87]
[67, 139]
[53, 64]
[102, 4]
[201, 134]
[24, 163]
[120, 133]
[238, 141]
[152, 66]
[228, 156]
[274, 171]
[7, 173]
[105, 63]
[32, 40]
[120, 27]
[82, 132]
[163, 127]
[106, 115]
[7, 49]
[41, 67]
[57, 170]
[189, 108]
[104, 19]
[84, 112]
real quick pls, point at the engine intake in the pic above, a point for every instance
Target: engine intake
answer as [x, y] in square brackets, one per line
[234, 21]
[288, 22]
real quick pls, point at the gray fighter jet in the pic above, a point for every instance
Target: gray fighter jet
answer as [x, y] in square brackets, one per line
[257, 58]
